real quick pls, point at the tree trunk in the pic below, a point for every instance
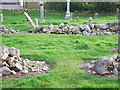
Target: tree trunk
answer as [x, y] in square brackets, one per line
[118, 57]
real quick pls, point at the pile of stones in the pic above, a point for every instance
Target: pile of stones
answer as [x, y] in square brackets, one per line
[110, 28]
[4, 30]
[11, 63]
[104, 66]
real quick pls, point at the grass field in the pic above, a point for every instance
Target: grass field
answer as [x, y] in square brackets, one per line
[17, 20]
[63, 53]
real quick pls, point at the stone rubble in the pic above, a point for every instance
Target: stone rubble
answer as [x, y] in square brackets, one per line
[110, 28]
[12, 63]
[104, 66]
[4, 30]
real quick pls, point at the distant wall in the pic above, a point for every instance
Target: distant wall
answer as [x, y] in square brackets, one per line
[9, 6]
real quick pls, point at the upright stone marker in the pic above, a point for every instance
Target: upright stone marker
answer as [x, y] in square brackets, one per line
[68, 14]
[42, 11]
[96, 15]
[1, 17]
[30, 20]
[36, 22]
[21, 3]
[90, 21]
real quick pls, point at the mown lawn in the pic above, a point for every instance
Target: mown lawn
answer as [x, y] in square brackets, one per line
[17, 20]
[63, 53]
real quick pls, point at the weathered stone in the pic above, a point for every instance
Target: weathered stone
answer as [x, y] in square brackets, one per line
[85, 27]
[51, 26]
[40, 62]
[2, 27]
[86, 33]
[114, 28]
[18, 67]
[25, 71]
[118, 58]
[101, 26]
[91, 26]
[107, 33]
[101, 65]
[12, 30]
[14, 52]
[18, 58]
[90, 21]
[110, 24]
[61, 25]
[45, 68]
[3, 52]
[93, 33]
[10, 59]
[114, 50]
[68, 15]
[92, 62]
[17, 64]
[115, 71]
[42, 11]
[11, 63]
[93, 72]
[116, 65]
[33, 69]
[13, 72]
[5, 70]
[36, 23]
[71, 27]
[1, 17]
[5, 64]
[88, 66]
[30, 20]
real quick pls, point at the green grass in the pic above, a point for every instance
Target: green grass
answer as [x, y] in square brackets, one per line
[63, 53]
[17, 20]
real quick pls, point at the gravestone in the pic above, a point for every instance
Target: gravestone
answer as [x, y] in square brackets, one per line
[1, 17]
[42, 11]
[96, 15]
[36, 22]
[90, 21]
[68, 14]
[21, 3]
[30, 20]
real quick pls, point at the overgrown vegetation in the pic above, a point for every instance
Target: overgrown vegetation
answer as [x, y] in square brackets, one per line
[76, 6]
[64, 53]
[84, 6]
